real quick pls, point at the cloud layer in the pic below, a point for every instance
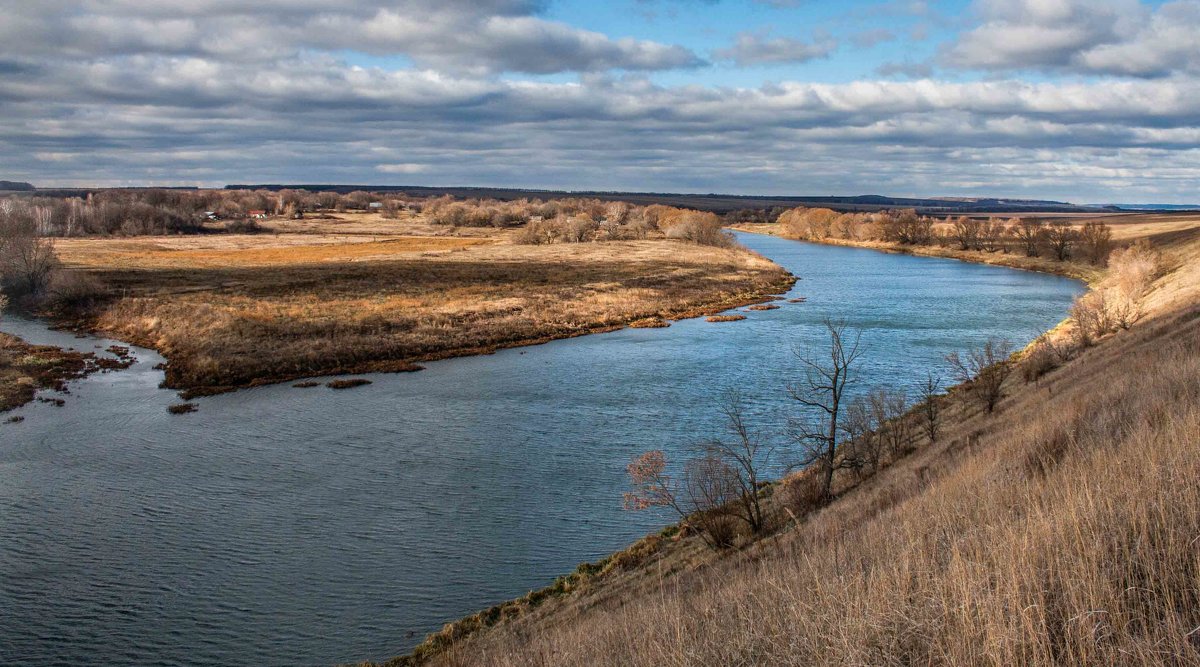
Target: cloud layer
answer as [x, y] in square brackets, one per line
[215, 91]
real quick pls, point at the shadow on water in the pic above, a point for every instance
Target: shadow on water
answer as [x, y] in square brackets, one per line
[287, 526]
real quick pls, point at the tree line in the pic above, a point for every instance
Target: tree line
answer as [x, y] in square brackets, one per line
[1057, 239]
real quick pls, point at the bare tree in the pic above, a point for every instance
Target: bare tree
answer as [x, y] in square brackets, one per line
[823, 391]
[1060, 237]
[27, 261]
[702, 498]
[888, 406]
[1030, 234]
[965, 232]
[858, 423]
[983, 371]
[1095, 240]
[930, 410]
[745, 455]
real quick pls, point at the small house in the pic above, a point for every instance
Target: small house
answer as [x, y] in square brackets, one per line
[258, 215]
[375, 205]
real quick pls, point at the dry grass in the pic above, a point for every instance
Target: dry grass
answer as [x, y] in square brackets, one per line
[1062, 530]
[238, 251]
[241, 310]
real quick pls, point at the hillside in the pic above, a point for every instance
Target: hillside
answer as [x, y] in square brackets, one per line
[1062, 529]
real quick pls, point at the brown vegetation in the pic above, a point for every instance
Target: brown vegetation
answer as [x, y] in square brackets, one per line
[1060, 528]
[341, 295]
[25, 369]
[348, 383]
[726, 318]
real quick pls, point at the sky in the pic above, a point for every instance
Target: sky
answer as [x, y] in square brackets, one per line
[1088, 101]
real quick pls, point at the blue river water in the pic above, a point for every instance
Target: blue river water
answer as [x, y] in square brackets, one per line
[280, 526]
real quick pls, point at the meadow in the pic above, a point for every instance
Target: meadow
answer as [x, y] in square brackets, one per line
[356, 292]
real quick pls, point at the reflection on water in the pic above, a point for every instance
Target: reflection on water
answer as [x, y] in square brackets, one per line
[286, 526]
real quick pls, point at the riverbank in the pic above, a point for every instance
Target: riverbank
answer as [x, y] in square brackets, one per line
[1084, 465]
[1088, 273]
[384, 296]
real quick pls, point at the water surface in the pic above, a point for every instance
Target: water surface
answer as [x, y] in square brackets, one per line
[279, 526]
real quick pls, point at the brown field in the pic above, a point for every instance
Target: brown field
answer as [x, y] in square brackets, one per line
[245, 251]
[1063, 529]
[339, 296]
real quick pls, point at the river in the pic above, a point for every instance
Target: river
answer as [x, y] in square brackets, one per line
[281, 526]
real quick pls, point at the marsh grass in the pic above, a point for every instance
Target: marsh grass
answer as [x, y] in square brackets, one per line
[25, 369]
[725, 318]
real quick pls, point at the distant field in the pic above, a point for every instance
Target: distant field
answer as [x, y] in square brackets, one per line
[360, 293]
[246, 250]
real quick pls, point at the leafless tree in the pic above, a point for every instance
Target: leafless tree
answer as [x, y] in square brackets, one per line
[1030, 233]
[1095, 240]
[27, 261]
[822, 392]
[860, 427]
[1060, 237]
[983, 371]
[930, 410]
[746, 454]
[888, 406]
[965, 232]
[702, 498]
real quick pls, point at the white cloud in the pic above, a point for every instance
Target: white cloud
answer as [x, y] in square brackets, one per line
[1122, 37]
[758, 49]
[402, 168]
[481, 37]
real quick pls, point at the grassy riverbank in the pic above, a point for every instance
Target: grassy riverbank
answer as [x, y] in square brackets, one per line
[1060, 529]
[358, 293]
[1078, 270]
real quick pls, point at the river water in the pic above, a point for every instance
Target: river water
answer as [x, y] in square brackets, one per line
[280, 526]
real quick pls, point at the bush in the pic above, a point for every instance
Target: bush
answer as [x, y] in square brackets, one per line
[73, 292]
[244, 226]
[801, 494]
[702, 229]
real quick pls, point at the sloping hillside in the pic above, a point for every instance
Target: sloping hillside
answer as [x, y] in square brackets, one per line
[1062, 529]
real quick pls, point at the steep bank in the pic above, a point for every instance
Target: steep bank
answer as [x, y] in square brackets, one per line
[1060, 530]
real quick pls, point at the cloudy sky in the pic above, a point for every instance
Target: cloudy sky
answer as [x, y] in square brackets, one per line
[1079, 100]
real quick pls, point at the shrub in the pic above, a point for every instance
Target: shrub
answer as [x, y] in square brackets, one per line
[801, 493]
[982, 371]
[702, 229]
[73, 291]
[244, 226]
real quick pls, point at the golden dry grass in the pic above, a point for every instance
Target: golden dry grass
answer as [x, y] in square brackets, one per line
[244, 250]
[1062, 530]
[239, 310]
